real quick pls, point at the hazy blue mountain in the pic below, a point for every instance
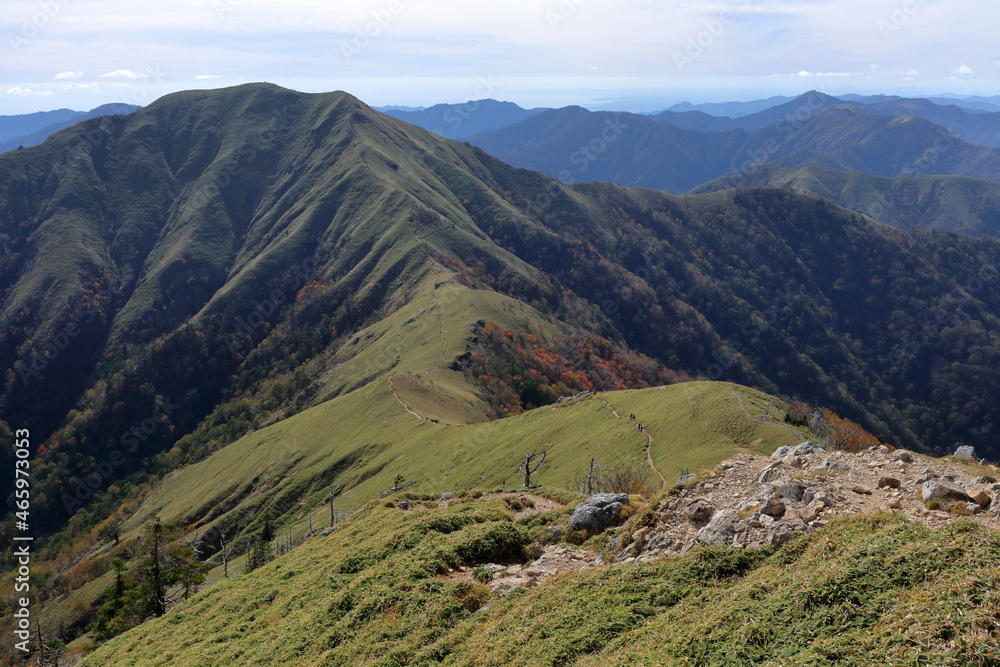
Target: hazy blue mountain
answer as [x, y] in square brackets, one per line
[458, 121]
[732, 109]
[574, 144]
[38, 136]
[19, 125]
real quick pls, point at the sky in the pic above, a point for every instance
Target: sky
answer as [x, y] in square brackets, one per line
[635, 55]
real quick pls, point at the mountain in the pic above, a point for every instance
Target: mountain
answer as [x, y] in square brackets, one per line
[949, 203]
[243, 308]
[795, 110]
[978, 127]
[732, 109]
[22, 124]
[28, 135]
[458, 121]
[575, 144]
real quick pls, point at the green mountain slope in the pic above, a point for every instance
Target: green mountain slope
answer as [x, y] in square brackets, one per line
[178, 277]
[948, 203]
[871, 589]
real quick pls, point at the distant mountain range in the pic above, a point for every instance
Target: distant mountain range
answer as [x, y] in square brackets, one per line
[978, 127]
[33, 129]
[459, 121]
[574, 144]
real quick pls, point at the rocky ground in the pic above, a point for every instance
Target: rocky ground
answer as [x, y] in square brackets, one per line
[749, 501]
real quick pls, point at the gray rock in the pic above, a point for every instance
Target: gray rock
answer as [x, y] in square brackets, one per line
[773, 508]
[720, 529]
[403, 504]
[967, 451]
[782, 532]
[770, 473]
[902, 455]
[684, 479]
[447, 495]
[699, 510]
[792, 491]
[817, 495]
[985, 479]
[800, 449]
[941, 489]
[598, 512]
[832, 465]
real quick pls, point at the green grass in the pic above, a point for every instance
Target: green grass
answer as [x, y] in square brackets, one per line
[867, 590]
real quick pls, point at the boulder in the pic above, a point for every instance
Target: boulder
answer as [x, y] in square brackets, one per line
[598, 512]
[769, 473]
[980, 497]
[985, 479]
[720, 529]
[792, 491]
[773, 508]
[699, 510]
[817, 497]
[967, 452]
[941, 489]
[889, 483]
[447, 495]
[798, 450]
[902, 455]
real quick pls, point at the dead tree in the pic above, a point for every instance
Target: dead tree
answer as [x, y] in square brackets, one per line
[527, 469]
[224, 553]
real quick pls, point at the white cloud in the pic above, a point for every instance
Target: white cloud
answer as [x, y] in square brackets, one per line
[804, 74]
[18, 90]
[120, 74]
[842, 74]
[208, 76]
[67, 75]
[912, 72]
[963, 69]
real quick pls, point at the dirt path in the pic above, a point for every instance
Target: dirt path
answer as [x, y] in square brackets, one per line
[649, 446]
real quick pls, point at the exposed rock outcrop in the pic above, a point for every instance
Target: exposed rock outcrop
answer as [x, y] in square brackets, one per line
[751, 501]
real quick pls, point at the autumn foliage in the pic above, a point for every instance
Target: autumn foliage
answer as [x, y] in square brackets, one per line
[520, 371]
